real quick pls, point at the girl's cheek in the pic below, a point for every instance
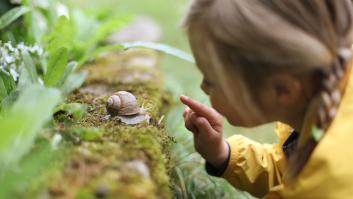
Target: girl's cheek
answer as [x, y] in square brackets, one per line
[231, 116]
[225, 108]
[220, 106]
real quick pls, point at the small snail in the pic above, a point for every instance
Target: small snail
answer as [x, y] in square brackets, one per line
[122, 103]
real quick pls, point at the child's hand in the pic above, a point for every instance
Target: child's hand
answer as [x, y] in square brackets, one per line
[206, 124]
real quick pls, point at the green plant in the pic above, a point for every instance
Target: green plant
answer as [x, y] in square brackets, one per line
[12, 15]
[167, 49]
[19, 127]
[37, 70]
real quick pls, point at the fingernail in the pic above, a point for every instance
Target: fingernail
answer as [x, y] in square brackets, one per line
[184, 97]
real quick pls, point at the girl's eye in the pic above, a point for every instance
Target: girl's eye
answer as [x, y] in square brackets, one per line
[205, 86]
[206, 83]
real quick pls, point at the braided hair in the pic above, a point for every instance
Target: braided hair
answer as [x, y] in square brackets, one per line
[322, 111]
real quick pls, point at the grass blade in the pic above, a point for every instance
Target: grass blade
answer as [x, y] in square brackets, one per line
[161, 47]
[182, 182]
[12, 15]
[3, 92]
[56, 67]
[73, 82]
[8, 82]
[30, 67]
[150, 45]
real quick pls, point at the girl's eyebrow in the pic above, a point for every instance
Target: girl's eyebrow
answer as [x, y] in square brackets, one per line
[206, 82]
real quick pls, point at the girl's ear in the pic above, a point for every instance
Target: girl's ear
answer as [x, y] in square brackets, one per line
[287, 88]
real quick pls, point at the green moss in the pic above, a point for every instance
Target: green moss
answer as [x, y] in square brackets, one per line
[105, 167]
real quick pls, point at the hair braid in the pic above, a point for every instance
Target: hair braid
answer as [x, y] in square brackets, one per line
[331, 93]
[326, 109]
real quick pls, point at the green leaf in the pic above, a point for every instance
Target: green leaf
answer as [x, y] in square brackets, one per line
[52, 13]
[3, 91]
[68, 71]
[12, 15]
[8, 82]
[56, 67]
[111, 25]
[23, 122]
[160, 47]
[62, 35]
[150, 45]
[90, 40]
[8, 102]
[73, 82]
[31, 169]
[30, 67]
[86, 26]
[75, 109]
[7, 85]
[35, 25]
[24, 80]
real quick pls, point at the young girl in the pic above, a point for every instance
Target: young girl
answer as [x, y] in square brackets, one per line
[275, 60]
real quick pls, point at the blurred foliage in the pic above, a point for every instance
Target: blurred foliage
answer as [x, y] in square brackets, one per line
[19, 126]
[42, 46]
[5, 5]
[74, 110]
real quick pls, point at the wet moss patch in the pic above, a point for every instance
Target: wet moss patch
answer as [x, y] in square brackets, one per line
[125, 161]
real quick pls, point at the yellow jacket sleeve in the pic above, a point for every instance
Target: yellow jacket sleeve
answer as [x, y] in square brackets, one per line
[255, 167]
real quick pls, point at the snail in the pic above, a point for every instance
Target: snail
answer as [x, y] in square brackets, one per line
[123, 106]
[122, 103]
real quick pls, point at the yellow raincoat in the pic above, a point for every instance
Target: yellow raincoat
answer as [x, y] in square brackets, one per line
[258, 168]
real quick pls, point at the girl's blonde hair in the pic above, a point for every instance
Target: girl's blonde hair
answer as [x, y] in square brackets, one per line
[257, 38]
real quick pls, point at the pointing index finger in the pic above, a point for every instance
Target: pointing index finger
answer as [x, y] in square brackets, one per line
[197, 107]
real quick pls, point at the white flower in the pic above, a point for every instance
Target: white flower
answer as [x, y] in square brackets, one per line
[9, 46]
[21, 46]
[40, 81]
[57, 138]
[8, 58]
[11, 57]
[36, 50]
[14, 73]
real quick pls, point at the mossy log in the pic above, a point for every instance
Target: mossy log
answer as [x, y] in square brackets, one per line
[126, 161]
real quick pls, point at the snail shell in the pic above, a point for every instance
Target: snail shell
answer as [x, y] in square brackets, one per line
[122, 103]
